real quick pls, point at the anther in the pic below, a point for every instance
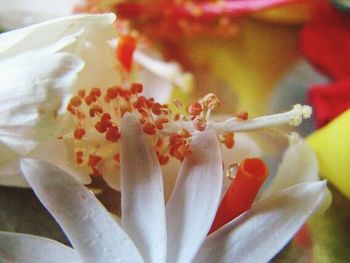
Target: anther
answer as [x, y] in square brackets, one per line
[113, 134]
[211, 101]
[79, 133]
[149, 128]
[199, 123]
[242, 115]
[159, 123]
[136, 88]
[195, 109]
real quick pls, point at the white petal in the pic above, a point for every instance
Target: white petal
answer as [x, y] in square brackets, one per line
[11, 175]
[143, 208]
[29, 103]
[92, 231]
[19, 13]
[261, 232]
[192, 206]
[55, 34]
[54, 151]
[299, 165]
[18, 248]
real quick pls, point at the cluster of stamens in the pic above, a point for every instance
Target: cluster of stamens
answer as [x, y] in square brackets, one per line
[98, 112]
[97, 115]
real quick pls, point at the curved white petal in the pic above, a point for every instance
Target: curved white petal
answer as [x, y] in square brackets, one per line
[19, 13]
[18, 248]
[192, 206]
[33, 87]
[11, 175]
[54, 151]
[299, 165]
[143, 208]
[261, 232]
[92, 231]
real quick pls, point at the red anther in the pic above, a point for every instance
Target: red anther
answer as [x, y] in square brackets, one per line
[184, 133]
[79, 157]
[125, 51]
[90, 99]
[159, 123]
[106, 119]
[75, 101]
[242, 115]
[136, 88]
[113, 134]
[94, 109]
[142, 121]
[71, 109]
[149, 128]
[100, 127]
[112, 93]
[150, 102]
[184, 150]
[163, 159]
[195, 109]
[177, 117]
[175, 140]
[242, 192]
[79, 133]
[143, 113]
[94, 160]
[229, 140]
[80, 115]
[200, 123]
[159, 143]
[96, 92]
[156, 108]
[81, 93]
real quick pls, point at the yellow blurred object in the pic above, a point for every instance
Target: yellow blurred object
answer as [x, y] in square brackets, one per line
[332, 146]
[242, 70]
[295, 14]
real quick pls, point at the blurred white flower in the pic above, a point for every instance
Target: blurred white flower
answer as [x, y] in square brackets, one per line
[177, 232]
[43, 66]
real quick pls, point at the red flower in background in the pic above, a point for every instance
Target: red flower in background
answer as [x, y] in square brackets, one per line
[325, 42]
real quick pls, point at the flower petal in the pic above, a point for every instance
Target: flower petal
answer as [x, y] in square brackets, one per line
[92, 231]
[143, 209]
[30, 103]
[192, 206]
[261, 232]
[11, 175]
[299, 165]
[19, 13]
[19, 248]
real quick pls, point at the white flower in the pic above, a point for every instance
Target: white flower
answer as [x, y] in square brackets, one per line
[42, 66]
[177, 232]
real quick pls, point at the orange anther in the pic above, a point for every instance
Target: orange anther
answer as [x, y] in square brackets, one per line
[242, 115]
[79, 133]
[229, 140]
[79, 157]
[184, 150]
[117, 157]
[112, 93]
[106, 119]
[184, 133]
[200, 124]
[71, 109]
[113, 134]
[195, 109]
[156, 108]
[159, 123]
[90, 99]
[136, 88]
[163, 159]
[94, 109]
[96, 92]
[149, 128]
[75, 101]
[100, 127]
[80, 115]
[94, 160]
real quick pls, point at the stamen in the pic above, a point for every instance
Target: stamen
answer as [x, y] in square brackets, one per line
[242, 192]
[125, 51]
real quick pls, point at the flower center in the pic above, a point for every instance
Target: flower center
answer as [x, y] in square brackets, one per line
[97, 115]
